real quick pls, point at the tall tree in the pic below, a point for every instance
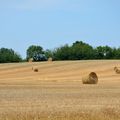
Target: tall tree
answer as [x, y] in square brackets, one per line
[104, 52]
[62, 53]
[34, 50]
[81, 50]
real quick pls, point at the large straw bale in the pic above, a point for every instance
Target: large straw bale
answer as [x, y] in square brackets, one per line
[117, 70]
[91, 78]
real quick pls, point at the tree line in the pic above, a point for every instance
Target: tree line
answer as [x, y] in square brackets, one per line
[9, 55]
[77, 51]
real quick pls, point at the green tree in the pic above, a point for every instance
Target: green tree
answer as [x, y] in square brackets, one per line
[49, 53]
[80, 50]
[116, 52]
[104, 52]
[9, 55]
[32, 50]
[62, 53]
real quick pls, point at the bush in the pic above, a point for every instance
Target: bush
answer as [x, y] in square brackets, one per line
[8, 55]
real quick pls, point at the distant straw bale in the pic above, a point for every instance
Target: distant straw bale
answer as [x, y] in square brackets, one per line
[35, 69]
[92, 78]
[30, 60]
[117, 70]
[50, 59]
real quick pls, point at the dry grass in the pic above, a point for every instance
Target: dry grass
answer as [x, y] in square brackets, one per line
[56, 92]
[105, 114]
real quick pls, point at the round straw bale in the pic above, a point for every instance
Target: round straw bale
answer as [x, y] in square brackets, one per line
[50, 59]
[115, 68]
[30, 60]
[90, 79]
[35, 69]
[117, 71]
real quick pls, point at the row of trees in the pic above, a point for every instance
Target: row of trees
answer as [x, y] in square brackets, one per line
[83, 51]
[77, 51]
[9, 55]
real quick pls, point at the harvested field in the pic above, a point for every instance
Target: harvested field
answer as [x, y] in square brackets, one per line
[56, 91]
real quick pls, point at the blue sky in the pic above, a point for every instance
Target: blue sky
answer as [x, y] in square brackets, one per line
[52, 23]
